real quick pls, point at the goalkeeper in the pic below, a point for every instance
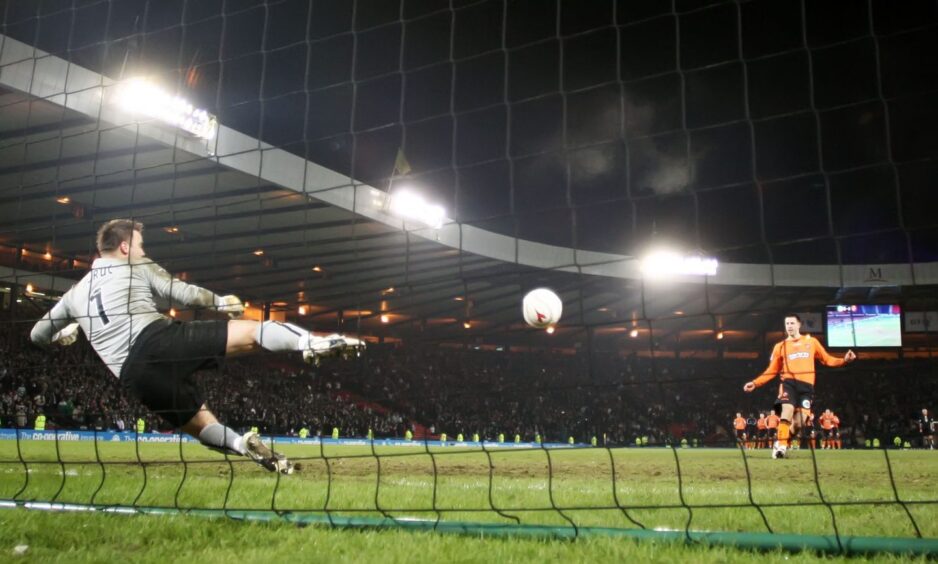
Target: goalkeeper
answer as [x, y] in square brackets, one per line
[154, 356]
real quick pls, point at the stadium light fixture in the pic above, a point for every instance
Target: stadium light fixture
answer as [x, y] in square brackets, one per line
[720, 336]
[633, 333]
[302, 310]
[664, 263]
[385, 318]
[550, 329]
[409, 205]
[139, 96]
[63, 200]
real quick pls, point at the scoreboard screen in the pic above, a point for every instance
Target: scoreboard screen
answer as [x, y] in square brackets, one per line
[864, 326]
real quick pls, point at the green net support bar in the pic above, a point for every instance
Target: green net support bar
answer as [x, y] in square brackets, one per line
[846, 545]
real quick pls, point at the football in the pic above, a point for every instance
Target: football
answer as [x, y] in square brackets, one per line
[541, 308]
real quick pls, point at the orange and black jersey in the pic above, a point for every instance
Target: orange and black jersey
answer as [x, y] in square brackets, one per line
[739, 424]
[808, 416]
[794, 359]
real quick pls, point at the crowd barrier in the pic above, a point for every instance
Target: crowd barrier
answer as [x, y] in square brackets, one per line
[130, 436]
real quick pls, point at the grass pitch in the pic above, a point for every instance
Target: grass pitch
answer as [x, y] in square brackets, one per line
[699, 489]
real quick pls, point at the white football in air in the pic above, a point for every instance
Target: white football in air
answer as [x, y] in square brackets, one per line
[541, 308]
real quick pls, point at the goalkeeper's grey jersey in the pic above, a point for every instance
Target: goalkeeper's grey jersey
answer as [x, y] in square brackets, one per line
[114, 302]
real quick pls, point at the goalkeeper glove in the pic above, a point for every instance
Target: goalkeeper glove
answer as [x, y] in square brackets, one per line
[67, 336]
[229, 304]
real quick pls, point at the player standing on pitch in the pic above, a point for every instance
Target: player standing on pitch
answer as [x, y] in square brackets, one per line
[926, 426]
[793, 358]
[154, 356]
[739, 423]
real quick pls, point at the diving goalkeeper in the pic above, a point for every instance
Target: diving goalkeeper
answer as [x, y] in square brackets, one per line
[154, 356]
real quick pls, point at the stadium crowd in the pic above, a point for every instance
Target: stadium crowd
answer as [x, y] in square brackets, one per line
[393, 389]
[74, 390]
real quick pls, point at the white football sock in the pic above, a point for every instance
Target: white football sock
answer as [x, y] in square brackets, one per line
[276, 336]
[223, 438]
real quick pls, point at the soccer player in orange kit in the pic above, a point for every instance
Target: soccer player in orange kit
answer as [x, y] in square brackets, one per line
[793, 360]
[740, 425]
[838, 443]
[762, 436]
[829, 428]
[771, 424]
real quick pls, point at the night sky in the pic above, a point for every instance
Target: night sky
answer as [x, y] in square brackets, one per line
[758, 131]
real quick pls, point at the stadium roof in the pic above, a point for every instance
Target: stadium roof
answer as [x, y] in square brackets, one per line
[240, 216]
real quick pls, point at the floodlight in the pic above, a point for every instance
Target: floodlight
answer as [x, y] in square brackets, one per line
[665, 263]
[140, 96]
[408, 205]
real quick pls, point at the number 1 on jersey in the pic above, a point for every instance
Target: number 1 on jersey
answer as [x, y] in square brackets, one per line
[100, 303]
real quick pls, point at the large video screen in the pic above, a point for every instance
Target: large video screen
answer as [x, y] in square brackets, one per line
[864, 326]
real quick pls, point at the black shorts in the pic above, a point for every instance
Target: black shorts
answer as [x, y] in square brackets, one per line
[740, 434]
[799, 394]
[773, 433]
[159, 368]
[830, 433]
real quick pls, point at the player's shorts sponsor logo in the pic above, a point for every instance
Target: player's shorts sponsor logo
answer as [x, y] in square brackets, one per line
[793, 356]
